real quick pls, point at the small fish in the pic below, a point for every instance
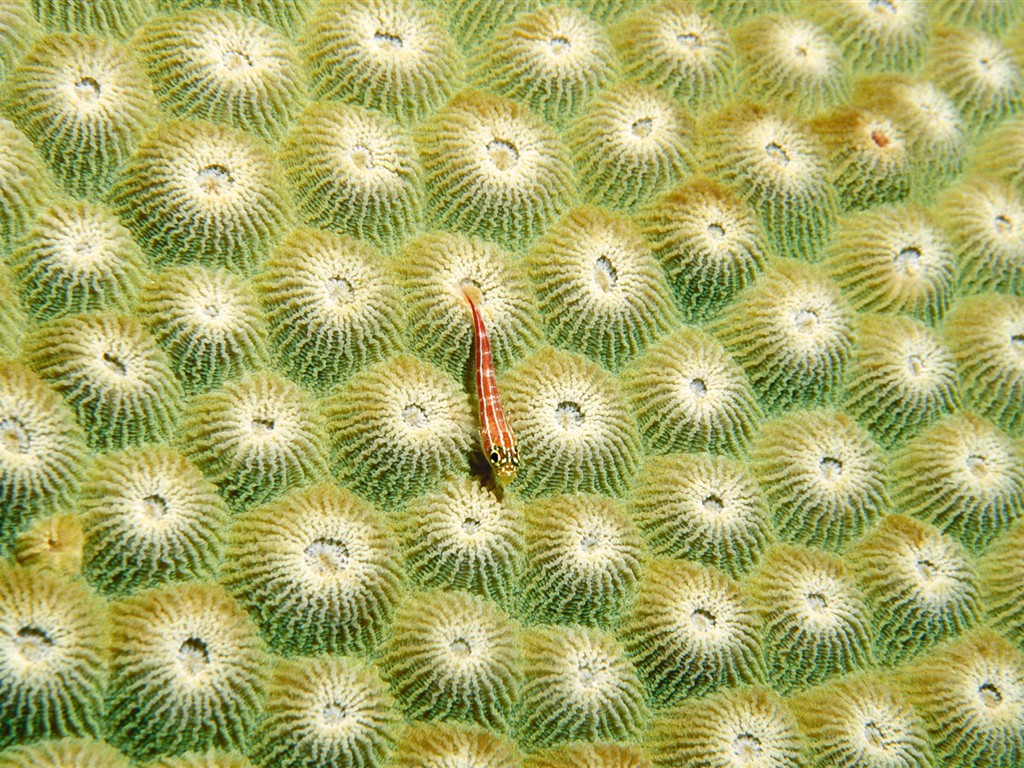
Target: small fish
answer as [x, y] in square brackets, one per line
[498, 441]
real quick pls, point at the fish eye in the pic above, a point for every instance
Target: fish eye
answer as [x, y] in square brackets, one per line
[495, 458]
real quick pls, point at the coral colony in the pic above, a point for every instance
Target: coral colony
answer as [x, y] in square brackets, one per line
[511, 383]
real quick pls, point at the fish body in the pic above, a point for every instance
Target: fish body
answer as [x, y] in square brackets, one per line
[499, 443]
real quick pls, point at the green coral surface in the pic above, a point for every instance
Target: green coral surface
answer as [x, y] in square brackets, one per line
[753, 277]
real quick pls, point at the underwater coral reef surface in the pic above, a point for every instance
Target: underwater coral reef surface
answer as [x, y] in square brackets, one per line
[747, 277]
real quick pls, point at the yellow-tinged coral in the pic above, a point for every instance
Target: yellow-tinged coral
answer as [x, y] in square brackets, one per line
[552, 60]
[599, 288]
[453, 656]
[330, 305]
[814, 622]
[679, 49]
[963, 475]
[463, 537]
[691, 631]
[575, 430]
[354, 172]
[396, 428]
[317, 569]
[919, 584]
[970, 695]
[388, 55]
[42, 450]
[577, 685]
[986, 335]
[862, 722]
[493, 169]
[709, 243]
[53, 664]
[822, 475]
[223, 67]
[583, 560]
[702, 508]
[689, 395]
[85, 104]
[187, 672]
[433, 270]
[726, 730]
[629, 144]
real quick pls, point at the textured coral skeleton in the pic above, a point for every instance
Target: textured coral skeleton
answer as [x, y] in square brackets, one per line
[748, 276]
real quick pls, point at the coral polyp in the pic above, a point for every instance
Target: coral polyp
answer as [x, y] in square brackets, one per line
[354, 172]
[552, 60]
[577, 685]
[981, 75]
[433, 269]
[701, 508]
[691, 631]
[330, 306]
[1002, 579]
[207, 321]
[815, 624]
[225, 68]
[575, 431]
[42, 450]
[984, 220]
[791, 63]
[689, 395]
[396, 428]
[931, 124]
[112, 374]
[823, 476]
[256, 438]
[920, 586]
[316, 569]
[389, 55]
[187, 672]
[441, 746]
[149, 517]
[462, 537]
[583, 561]
[629, 144]
[1001, 154]
[792, 332]
[740, 724]
[877, 36]
[682, 51]
[709, 243]
[85, 104]
[53, 543]
[453, 656]
[288, 16]
[862, 722]
[986, 334]
[893, 259]
[970, 695]
[964, 476]
[868, 155]
[493, 169]
[52, 657]
[195, 192]
[902, 378]
[68, 752]
[777, 165]
[333, 711]
[599, 288]
[77, 258]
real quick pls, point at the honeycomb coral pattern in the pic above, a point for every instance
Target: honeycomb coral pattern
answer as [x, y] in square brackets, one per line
[752, 274]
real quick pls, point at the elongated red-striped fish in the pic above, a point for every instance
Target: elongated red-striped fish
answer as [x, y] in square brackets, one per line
[498, 441]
